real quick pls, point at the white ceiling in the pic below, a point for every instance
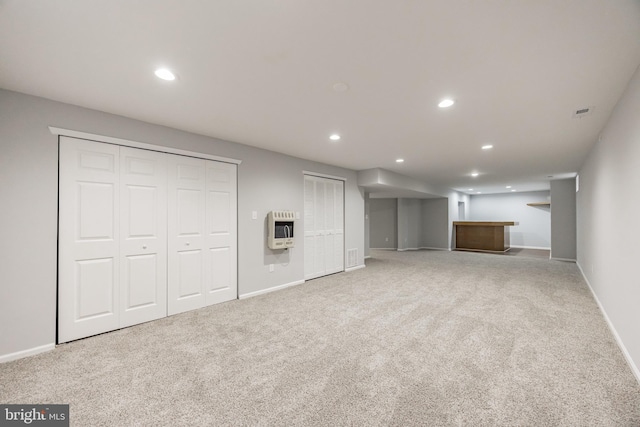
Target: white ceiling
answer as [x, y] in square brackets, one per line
[261, 72]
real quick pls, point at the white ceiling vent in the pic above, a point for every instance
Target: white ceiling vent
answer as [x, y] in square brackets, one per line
[583, 112]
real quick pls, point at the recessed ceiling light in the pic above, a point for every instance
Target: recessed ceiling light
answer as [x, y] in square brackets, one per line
[446, 103]
[508, 186]
[399, 160]
[479, 192]
[487, 147]
[514, 190]
[165, 74]
[475, 174]
[334, 137]
[340, 87]
[471, 189]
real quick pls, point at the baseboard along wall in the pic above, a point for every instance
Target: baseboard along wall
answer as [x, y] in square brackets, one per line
[26, 353]
[627, 356]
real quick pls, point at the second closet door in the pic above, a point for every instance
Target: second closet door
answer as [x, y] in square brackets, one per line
[202, 233]
[323, 226]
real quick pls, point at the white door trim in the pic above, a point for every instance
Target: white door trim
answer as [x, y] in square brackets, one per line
[134, 144]
[324, 175]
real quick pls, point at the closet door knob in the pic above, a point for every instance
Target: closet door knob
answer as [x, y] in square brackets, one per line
[187, 243]
[144, 246]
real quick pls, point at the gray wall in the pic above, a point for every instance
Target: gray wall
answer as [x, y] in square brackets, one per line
[607, 224]
[367, 236]
[534, 223]
[420, 223]
[383, 223]
[409, 223]
[28, 190]
[563, 219]
[435, 219]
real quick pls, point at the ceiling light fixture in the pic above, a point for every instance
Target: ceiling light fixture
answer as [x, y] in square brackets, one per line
[479, 192]
[165, 74]
[471, 189]
[334, 137]
[475, 174]
[508, 186]
[446, 103]
[340, 87]
[487, 147]
[399, 160]
[514, 190]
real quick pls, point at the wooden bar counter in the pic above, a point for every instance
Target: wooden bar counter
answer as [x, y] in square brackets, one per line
[485, 236]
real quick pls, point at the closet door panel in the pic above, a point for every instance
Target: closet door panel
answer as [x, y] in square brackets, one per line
[309, 227]
[338, 248]
[143, 237]
[88, 250]
[330, 236]
[221, 282]
[320, 231]
[186, 228]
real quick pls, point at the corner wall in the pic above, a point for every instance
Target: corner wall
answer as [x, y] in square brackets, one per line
[383, 223]
[409, 224]
[28, 190]
[563, 219]
[607, 221]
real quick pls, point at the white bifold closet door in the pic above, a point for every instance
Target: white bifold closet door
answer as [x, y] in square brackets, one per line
[202, 233]
[323, 226]
[140, 233]
[112, 238]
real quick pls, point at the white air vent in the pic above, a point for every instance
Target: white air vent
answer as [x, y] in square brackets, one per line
[352, 257]
[582, 112]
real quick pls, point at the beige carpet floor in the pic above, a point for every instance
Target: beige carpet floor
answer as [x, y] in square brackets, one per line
[416, 338]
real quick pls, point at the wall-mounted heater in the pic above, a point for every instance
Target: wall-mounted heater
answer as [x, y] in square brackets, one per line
[280, 234]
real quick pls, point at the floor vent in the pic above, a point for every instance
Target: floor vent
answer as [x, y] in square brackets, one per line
[352, 257]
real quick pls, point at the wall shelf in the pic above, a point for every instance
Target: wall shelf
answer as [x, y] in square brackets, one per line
[539, 204]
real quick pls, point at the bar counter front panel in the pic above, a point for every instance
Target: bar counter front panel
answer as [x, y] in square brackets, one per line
[483, 235]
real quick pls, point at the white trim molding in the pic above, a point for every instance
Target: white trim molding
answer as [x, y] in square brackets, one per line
[562, 259]
[357, 267]
[324, 175]
[135, 144]
[272, 289]
[26, 353]
[542, 248]
[624, 350]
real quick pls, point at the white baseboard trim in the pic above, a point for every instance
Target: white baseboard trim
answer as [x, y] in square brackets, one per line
[627, 356]
[273, 289]
[357, 267]
[530, 247]
[385, 249]
[423, 247]
[562, 259]
[26, 353]
[367, 257]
